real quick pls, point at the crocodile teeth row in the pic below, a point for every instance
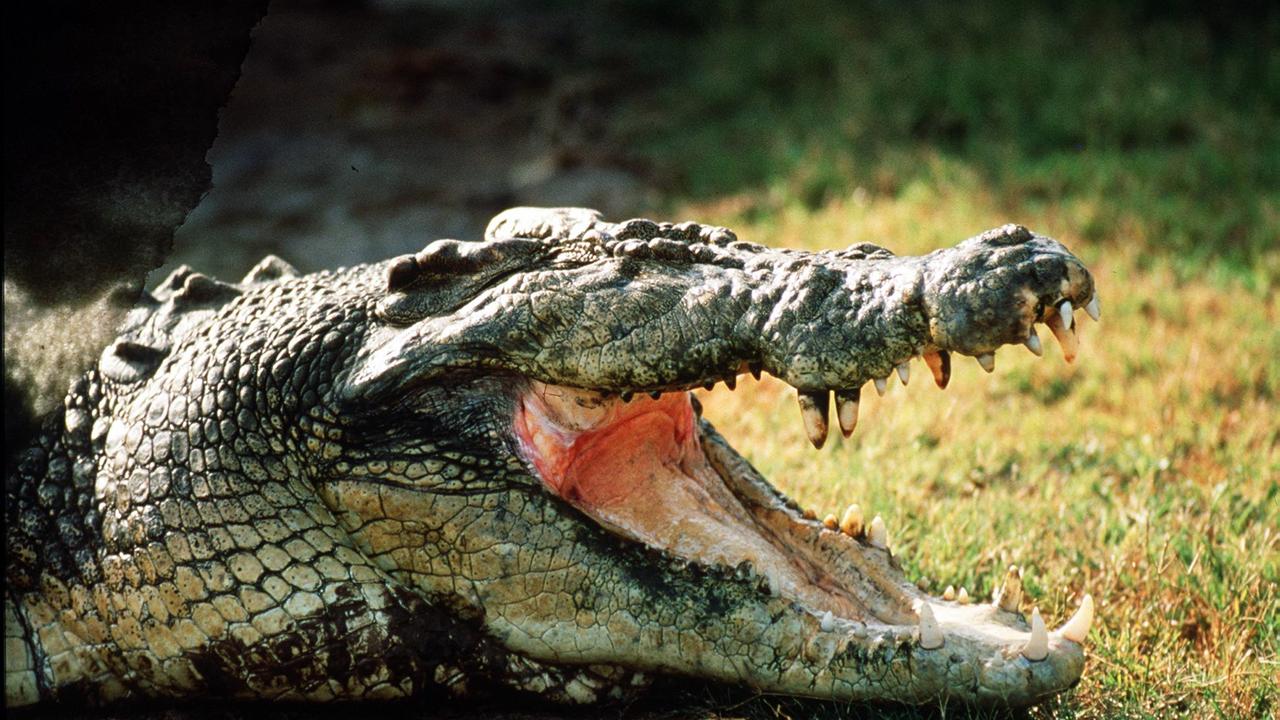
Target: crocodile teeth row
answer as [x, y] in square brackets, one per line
[1060, 320]
[1037, 645]
[1007, 596]
[1075, 629]
[853, 524]
[815, 405]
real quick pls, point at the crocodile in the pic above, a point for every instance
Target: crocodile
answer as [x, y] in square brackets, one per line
[479, 468]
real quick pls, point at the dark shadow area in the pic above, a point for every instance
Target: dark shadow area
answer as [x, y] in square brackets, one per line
[108, 113]
[362, 132]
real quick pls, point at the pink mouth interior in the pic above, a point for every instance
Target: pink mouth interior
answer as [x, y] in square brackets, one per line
[639, 470]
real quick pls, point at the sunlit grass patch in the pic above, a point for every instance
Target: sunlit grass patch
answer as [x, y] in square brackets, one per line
[1144, 137]
[1145, 473]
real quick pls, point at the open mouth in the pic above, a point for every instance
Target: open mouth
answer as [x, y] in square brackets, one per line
[647, 468]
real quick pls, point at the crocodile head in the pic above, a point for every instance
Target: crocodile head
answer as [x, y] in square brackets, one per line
[480, 465]
[622, 530]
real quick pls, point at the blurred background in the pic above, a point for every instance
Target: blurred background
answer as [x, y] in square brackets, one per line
[1145, 136]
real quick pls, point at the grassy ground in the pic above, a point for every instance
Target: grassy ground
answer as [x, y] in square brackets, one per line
[1147, 473]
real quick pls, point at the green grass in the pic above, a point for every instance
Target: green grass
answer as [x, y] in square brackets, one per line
[1147, 473]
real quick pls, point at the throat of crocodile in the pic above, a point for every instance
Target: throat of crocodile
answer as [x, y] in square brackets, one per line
[639, 470]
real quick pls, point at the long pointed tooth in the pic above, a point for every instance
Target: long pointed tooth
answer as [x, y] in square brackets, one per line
[930, 633]
[1065, 309]
[987, 361]
[1077, 628]
[847, 409]
[904, 372]
[1033, 343]
[1037, 648]
[851, 523]
[949, 593]
[882, 384]
[878, 534]
[731, 381]
[962, 597]
[939, 363]
[813, 410]
[1065, 335]
[1009, 595]
[1093, 309]
[828, 622]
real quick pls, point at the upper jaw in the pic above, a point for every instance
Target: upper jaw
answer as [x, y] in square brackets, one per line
[635, 322]
[991, 290]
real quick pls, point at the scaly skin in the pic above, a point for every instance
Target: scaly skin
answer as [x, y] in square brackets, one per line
[316, 487]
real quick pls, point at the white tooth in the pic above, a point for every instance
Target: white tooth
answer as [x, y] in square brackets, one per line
[1092, 308]
[847, 412]
[1009, 595]
[815, 420]
[1033, 343]
[878, 533]
[1066, 337]
[1037, 648]
[882, 384]
[940, 368]
[828, 622]
[962, 597]
[904, 372]
[949, 593]
[987, 361]
[1065, 309]
[1077, 628]
[830, 522]
[851, 523]
[930, 633]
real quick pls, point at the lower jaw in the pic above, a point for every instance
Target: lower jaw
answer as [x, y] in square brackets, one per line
[653, 473]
